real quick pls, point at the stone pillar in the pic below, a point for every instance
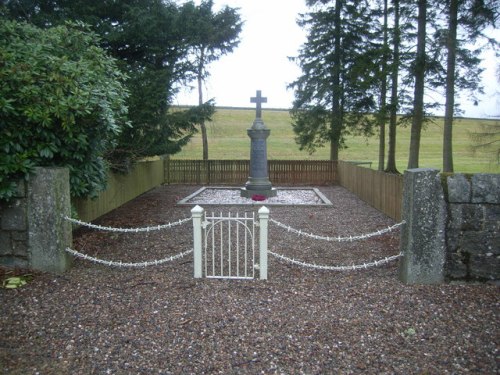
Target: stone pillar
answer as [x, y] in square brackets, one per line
[423, 235]
[258, 182]
[48, 232]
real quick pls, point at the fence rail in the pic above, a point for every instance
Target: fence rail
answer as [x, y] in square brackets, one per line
[281, 172]
[381, 190]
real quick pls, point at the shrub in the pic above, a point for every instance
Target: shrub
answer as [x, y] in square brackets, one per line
[62, 103]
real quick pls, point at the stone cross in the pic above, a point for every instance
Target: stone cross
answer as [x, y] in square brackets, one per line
[259, 99]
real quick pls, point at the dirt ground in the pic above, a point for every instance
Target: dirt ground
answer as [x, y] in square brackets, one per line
[95, 319]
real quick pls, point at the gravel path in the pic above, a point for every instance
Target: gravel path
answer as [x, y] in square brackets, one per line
[160, 320]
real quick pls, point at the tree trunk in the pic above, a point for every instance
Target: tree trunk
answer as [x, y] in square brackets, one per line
[451, 45]
[204, 136]
[391, 157]
[418, 98]
[383, 96]
[336, 125]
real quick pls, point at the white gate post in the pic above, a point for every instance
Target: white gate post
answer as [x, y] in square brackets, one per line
[263, 221]
[196, 214]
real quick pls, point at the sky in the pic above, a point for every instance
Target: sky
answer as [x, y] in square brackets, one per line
[269, 36]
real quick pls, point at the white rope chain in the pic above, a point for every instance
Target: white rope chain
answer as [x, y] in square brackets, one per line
[337, 268]
[338, 239]
[127, 230]
[125, 264]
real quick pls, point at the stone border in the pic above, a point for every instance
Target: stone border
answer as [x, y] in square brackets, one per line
[323, 199]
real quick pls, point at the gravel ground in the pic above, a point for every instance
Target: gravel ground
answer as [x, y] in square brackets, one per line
[160, 320]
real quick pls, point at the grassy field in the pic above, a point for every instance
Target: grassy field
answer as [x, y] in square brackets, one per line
[228, 139]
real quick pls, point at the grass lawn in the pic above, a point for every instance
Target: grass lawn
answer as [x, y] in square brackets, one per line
[228, 139]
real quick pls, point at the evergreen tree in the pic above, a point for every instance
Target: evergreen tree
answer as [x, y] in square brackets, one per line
[472, 16]
[151, 41]
[394, 103]
[334, 92]
[419, 75]
[384, 73]
[213, 35]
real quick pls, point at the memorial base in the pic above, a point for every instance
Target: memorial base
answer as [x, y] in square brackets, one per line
[249, 193]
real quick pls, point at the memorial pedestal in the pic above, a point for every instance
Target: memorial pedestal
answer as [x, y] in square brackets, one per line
[258, 182]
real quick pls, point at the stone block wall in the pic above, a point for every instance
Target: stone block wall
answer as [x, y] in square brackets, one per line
[473, 227]
[452, 229]
[33, 233]
[14, 229]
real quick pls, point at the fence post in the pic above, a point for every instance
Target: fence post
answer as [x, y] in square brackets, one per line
[196, 214]
[263, 222]
[422, 237]
[166, 169]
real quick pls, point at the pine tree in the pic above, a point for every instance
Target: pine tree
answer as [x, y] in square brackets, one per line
[394, 105]
[213, 35]
[383, 110]
[419, 74]
[334, 92]
[472, 17]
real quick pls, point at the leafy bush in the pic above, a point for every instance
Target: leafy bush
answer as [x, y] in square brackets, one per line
[62, 103]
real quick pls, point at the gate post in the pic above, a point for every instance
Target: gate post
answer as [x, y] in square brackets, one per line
[422, 237]
[196, 214]
[263, 221]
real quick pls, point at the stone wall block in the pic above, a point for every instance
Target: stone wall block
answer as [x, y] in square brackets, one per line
[459, 189]
[484, 267]
[492, 245]
[474, 243]
[20, 249]
[486, 188]
[485, 256]
[492, 218]
[15, 261]
[20, 189]
[472, 217]
[5, 243]
[20, 236]
[14, 215]
[453, 226]
[478, 252]
[457, 265]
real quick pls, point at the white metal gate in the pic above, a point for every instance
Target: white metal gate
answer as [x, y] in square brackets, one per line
[225, 246]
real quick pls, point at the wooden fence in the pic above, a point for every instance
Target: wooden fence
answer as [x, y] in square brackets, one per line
[381, 190]
[227, 172]
[121, 188]
[209, 172]
[302, 172]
